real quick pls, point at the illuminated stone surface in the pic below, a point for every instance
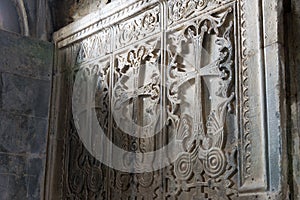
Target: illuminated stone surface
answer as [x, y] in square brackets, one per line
[212, 68]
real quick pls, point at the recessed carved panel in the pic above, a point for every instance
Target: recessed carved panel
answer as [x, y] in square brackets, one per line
[84, 174]
[176, 74]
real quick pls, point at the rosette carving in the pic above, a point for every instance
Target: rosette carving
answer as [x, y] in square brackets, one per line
[183, 166]
[215, 163]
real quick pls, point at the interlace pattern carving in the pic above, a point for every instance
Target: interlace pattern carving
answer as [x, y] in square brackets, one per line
[195, 83]
[204, 166]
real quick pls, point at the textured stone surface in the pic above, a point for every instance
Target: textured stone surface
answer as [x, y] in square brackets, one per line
[25, 95]
[27, 17]
[21, 134]
[35, 176]
[24, 56]
[293, 20]
[12, 164]
[20, 177]
[25, 87]
[256, 126]
[4, 178]
[17, 187]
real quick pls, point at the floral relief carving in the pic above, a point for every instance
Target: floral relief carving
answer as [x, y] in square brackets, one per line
[204, 164]
[85, 174]
[196, 84]
[95, 46]
[131, 92]
[138, 27]
[180, 9]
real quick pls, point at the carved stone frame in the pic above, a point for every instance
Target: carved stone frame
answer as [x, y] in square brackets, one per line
[260, 97]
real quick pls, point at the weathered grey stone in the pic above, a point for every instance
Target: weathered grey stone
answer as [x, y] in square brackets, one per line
[17, 188]
[16, 179]
[12, 164]
[65, 12]
[22, 134]
[25, 87]
[293, 32]
[24, 56]
[14, 133]
[20, 177]
[35, 172]
[34, 187]
[35, 166]
[273, 20]
[3, 186]
[4, 178]
[38, 129]
[25, 96]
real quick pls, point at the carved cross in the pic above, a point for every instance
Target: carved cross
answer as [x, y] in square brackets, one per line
[196, 35]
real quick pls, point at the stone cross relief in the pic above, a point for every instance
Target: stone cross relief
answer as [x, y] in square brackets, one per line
[206, 168]
[204, 155]
[204, 144]
[137, 90]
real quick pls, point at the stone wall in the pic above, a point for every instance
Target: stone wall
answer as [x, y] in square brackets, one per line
[25, 87]
[39, 19]
[293, 50]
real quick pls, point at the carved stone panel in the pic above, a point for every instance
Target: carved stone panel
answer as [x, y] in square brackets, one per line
[201, 78]
[177, 88]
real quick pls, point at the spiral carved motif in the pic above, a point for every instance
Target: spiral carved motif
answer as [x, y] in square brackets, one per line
[183, 166]
[94, 180]
[76, 181]
[145, 179]
[202, 4]
[215, 163]
[123, 181]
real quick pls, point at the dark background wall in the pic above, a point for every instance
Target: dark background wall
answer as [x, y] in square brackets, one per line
[293, 96]
[43, 17]
[66, 11]
[25, 87]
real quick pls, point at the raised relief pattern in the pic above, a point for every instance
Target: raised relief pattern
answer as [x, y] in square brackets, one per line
[205, 168]
[138, 28]
[198, 79]
[95, 46]
[184, 9]
[135, 105]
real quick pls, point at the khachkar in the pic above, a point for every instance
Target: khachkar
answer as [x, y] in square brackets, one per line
[169, 72]
[206, 167]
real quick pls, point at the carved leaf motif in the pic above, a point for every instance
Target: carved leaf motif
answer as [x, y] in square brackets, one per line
[205, 157]
[207, 168]
[138, 27]
[183, 9]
